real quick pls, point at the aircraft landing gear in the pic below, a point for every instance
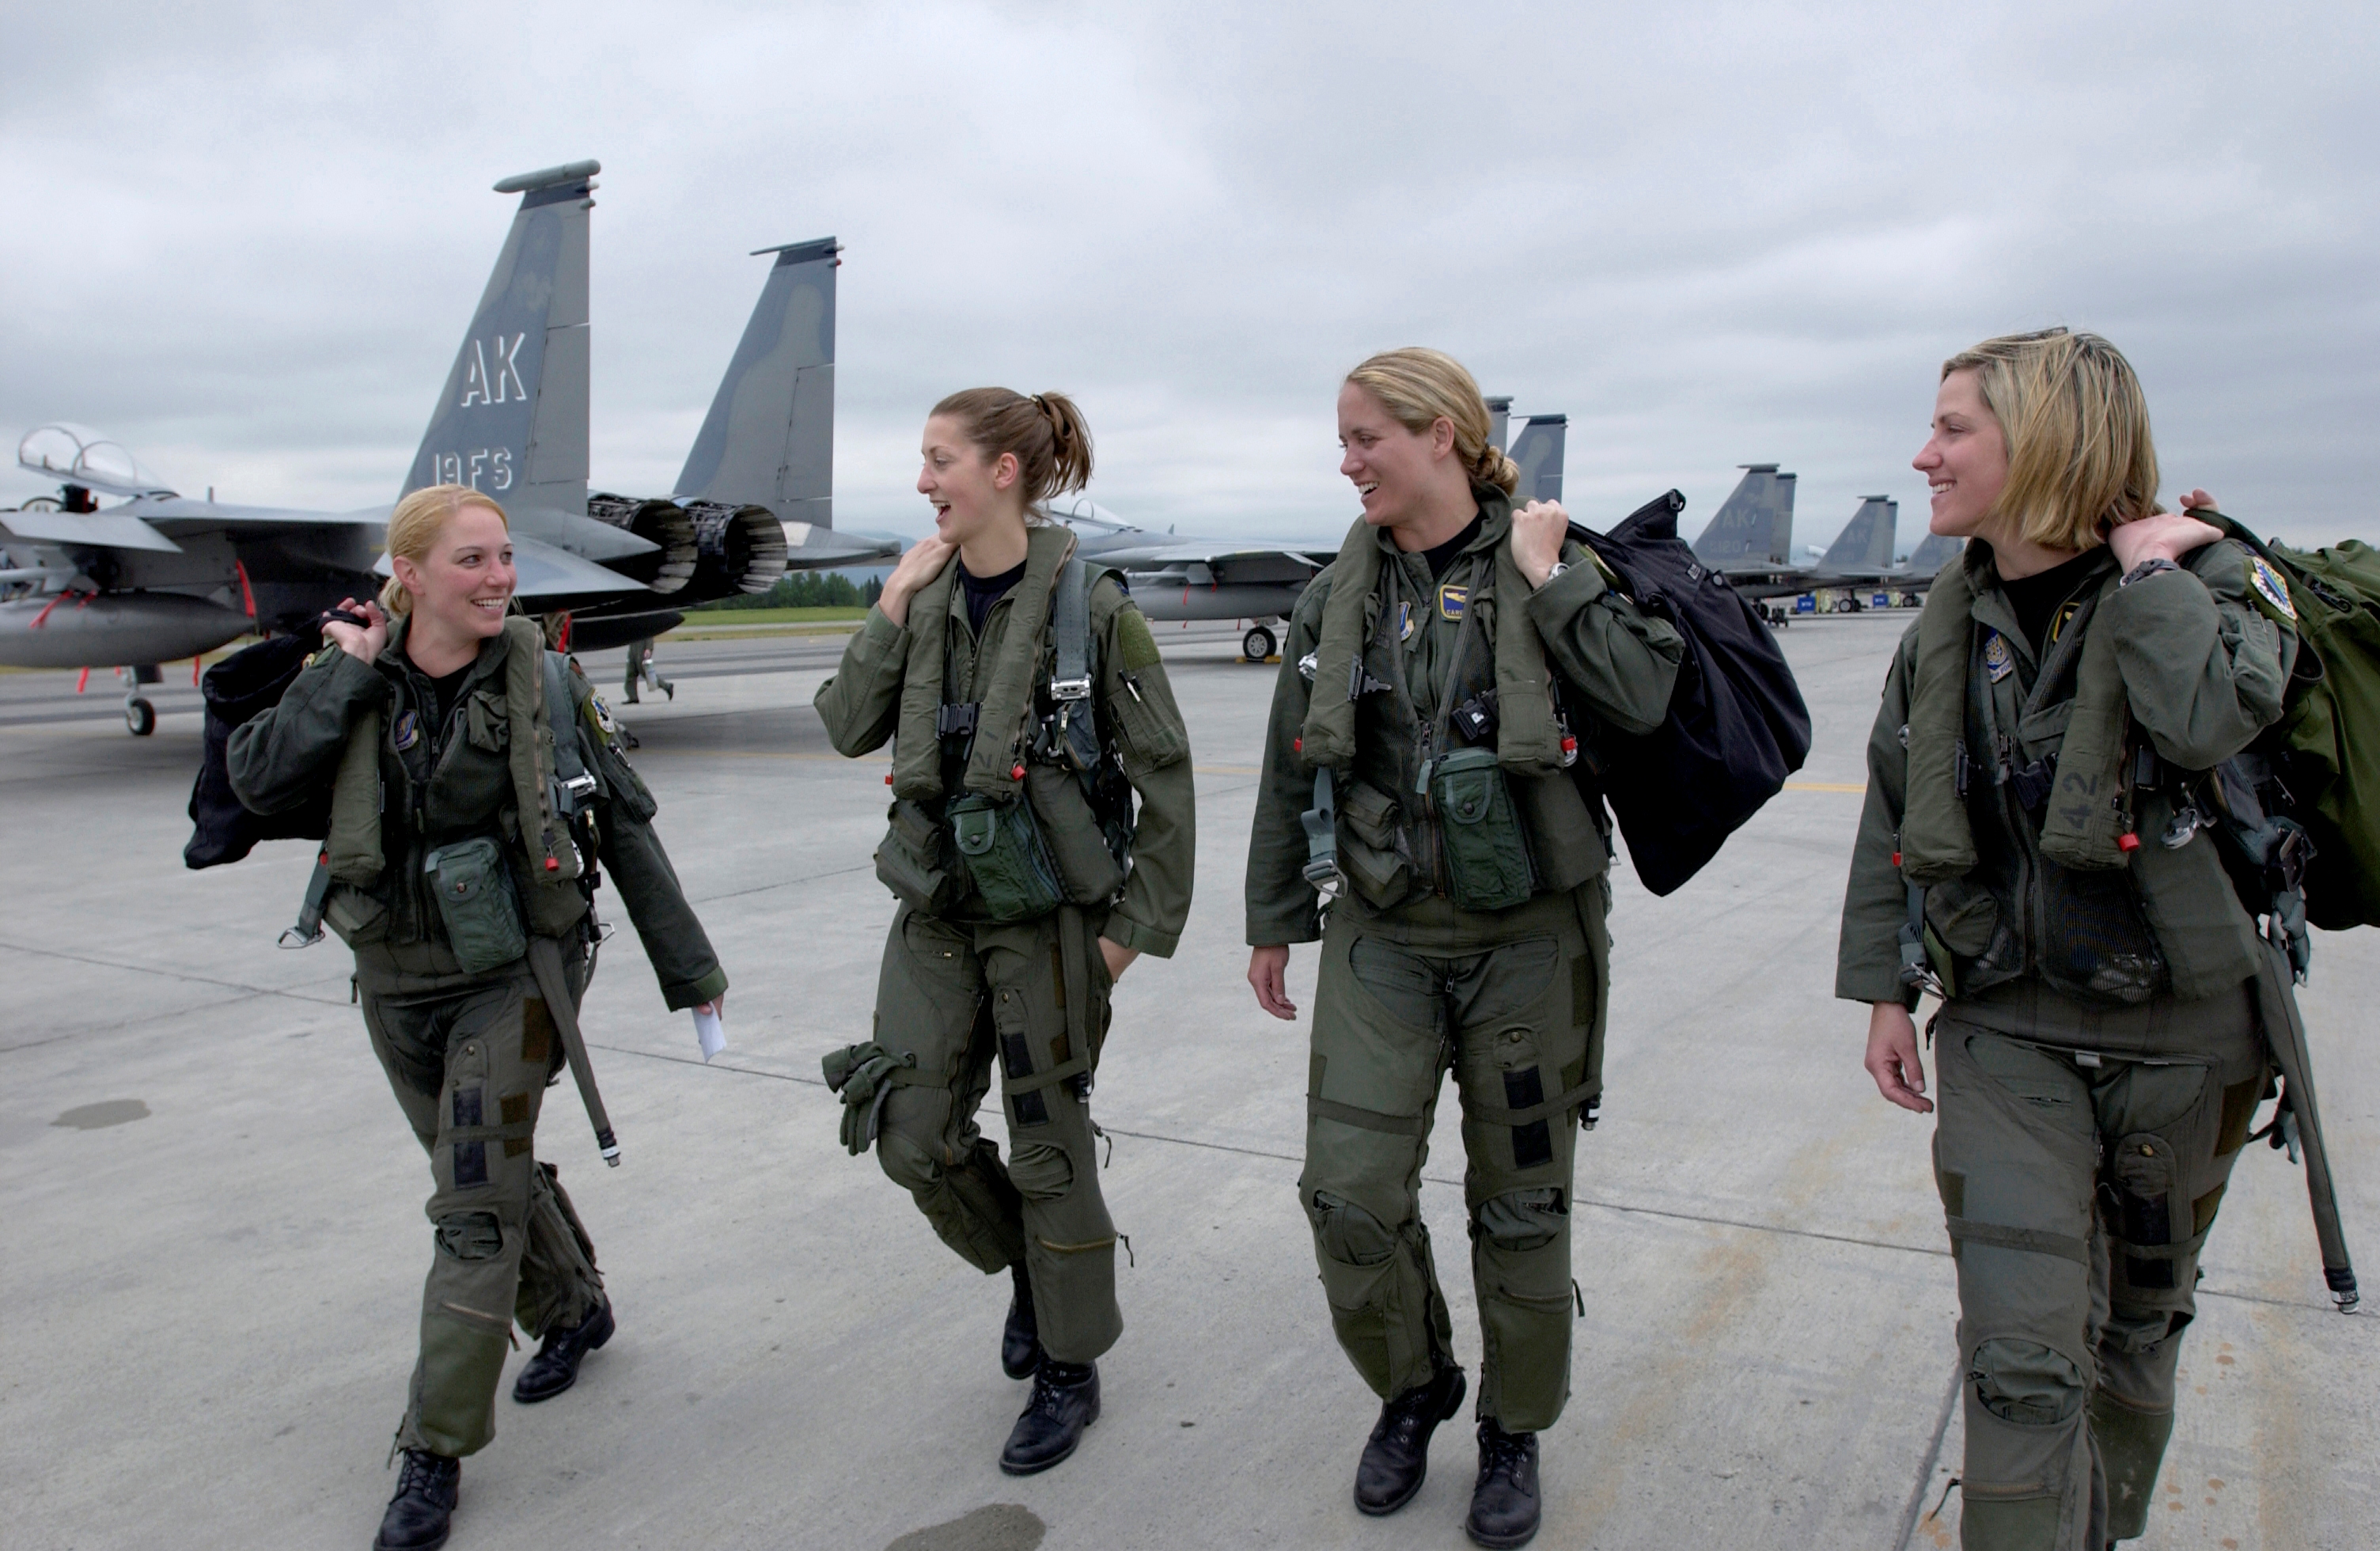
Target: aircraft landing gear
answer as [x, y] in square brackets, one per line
[140, 714]
[1259, 645]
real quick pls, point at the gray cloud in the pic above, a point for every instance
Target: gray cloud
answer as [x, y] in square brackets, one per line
[246, 242]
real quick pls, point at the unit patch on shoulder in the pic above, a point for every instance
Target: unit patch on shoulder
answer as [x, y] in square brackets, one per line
[1134, 642]
[602, 715]
[1998, 660]
[2270, 586]
[1453, 598]
[408, 729]
[1405, 625]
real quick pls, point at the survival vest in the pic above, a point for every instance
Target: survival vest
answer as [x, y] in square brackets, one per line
[1737, 725]
[1006, 807]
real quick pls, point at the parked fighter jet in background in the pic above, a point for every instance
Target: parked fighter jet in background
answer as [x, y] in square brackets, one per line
[1174, 577]
[162, 575]
[1750, 541]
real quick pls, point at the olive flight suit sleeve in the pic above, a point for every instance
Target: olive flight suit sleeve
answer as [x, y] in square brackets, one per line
[2204, 664]
[1282, 905]
[279, 758]
[1875, 901]
[680, 950]
[861, 705]
[1136, 702]
[1624, 661]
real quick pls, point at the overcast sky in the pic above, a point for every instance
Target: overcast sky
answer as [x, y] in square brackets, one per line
[246, 241]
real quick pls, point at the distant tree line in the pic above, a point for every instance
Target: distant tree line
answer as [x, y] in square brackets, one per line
[806, 590]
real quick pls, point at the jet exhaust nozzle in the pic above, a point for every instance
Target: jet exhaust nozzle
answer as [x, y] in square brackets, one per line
[656, 521]
[743, 548]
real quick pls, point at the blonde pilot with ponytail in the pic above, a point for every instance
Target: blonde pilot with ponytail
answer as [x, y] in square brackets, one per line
[467, 913]
[1041, 840]
[1422, 779]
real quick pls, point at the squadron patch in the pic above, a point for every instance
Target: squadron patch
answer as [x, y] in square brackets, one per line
[1453, 598]
[603, 714]
[2270, 586]
[1998, 660]
[408, 729]
[1406, 625]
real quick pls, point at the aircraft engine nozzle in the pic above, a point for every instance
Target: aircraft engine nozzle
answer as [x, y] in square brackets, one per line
[658, 521]
[69, 631]
[743, 548]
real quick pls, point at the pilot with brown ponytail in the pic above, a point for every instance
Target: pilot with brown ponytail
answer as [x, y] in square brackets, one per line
[1028, 709]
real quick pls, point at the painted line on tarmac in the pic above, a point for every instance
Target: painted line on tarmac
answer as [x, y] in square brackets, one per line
[167, 974]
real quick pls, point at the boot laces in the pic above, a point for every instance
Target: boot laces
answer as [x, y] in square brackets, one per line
[421, 1472]
[1048, 1396]
[1503, 1454]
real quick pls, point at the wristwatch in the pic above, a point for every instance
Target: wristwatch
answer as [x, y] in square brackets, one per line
[1559, 567]
[2149, 567]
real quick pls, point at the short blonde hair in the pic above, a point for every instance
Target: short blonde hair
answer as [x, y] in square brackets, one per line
[2080, 459]
[414, 527]
[1419, 387]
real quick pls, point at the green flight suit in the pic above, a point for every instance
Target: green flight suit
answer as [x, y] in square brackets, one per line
[956, 991]
[469, 1056]
[2081, 1142]
[1512, 1000]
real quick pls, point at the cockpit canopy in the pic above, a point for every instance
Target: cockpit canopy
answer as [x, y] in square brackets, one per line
[77, 455]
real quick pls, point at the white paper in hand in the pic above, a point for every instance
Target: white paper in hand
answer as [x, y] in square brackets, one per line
[711, 1032]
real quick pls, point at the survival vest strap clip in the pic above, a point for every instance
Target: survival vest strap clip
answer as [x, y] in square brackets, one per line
[1070, 689]
[956, 719]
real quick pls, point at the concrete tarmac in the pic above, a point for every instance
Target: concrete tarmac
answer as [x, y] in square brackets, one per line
[210, 1238]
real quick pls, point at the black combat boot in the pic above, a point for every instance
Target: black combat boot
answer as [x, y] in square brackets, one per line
[1020, 1342]
[555, 1366]
[1504, 1506]
[1065, 1400]
[418, 1515]
[1397, 1457]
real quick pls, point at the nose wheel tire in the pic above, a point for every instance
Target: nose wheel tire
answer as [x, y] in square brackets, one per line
[139, 716]
[1258, 644]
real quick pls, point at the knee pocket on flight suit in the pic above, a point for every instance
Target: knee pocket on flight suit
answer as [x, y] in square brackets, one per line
[2026, 1383]
[1040, 1171]
[1521, 1265]
[1347, 1233]
[1378, 1283]
[471, 1236]
[905, 1163]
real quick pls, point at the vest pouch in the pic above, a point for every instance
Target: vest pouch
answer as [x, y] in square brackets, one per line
[1565, 846]
[474, 890]
[1486, 854]
[1087, 869]
[1373, 855]
[914, 861]
[358, 918]
[1000, 846]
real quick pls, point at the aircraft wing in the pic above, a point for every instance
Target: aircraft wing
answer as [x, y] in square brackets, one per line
[1177, 564]
[104, 530]
[548, 571]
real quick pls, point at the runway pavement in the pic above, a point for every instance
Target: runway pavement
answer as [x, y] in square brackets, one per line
[210, 1240]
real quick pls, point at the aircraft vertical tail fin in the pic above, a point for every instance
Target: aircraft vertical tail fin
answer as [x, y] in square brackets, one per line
[1933, 554]
[1539, 451]
[1865, 542]
[512, 418]
[768, 439]
[1499, 421]
[1755, 525]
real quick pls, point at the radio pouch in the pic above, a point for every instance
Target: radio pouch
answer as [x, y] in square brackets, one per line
[474, 889]
[999, 845]
[1486, 853]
